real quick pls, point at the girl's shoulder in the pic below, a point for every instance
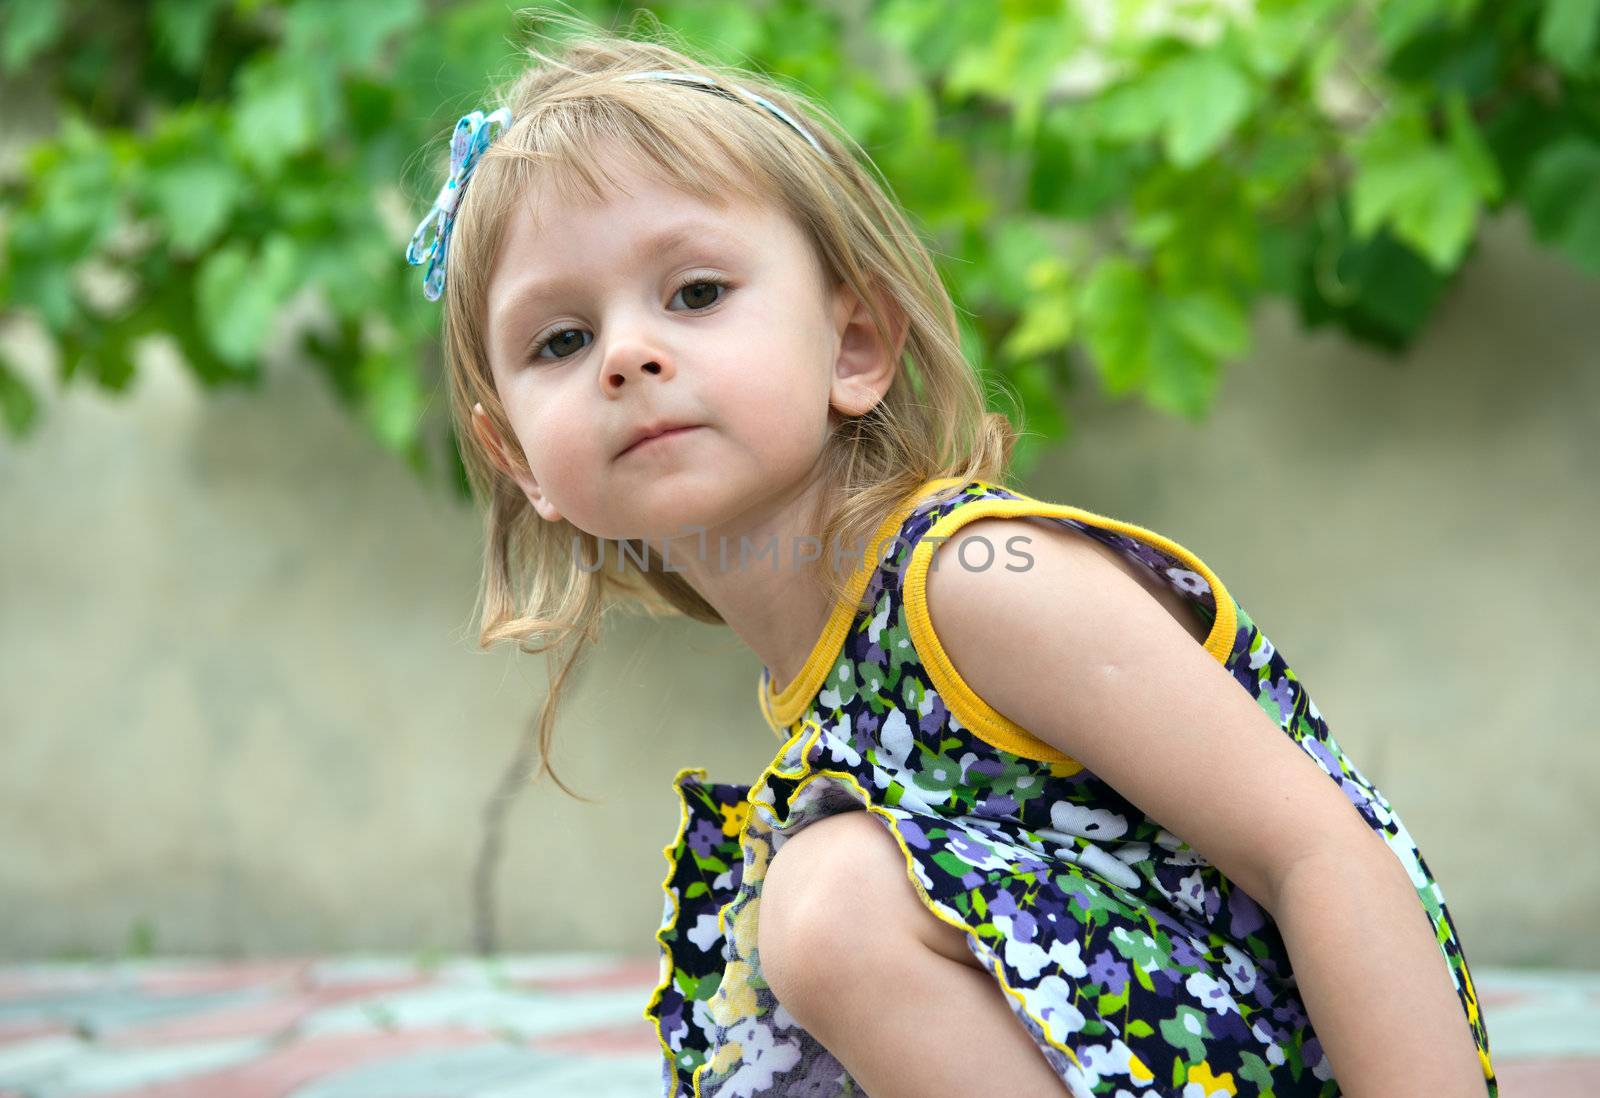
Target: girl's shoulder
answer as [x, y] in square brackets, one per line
[996, 529]
[998, 533]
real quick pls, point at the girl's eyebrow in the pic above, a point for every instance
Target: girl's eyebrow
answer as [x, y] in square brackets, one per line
[657, 243]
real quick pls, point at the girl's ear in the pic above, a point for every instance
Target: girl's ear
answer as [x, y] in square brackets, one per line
[865, 365]
[483, 427]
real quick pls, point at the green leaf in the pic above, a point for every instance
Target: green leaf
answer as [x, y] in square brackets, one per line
[1562, 192]
[1273, 40]
[181, 28]
[39, 273]
[1567, 32]
[1398, 21]
[1115, 310]
[1441, 225]
[1041, 407]
[346, 33]
[27, 28]
[1045, 326]
[17, 403]
[239, 291]
[697, 889]
[392, 400]
[1212, 323]
[1194, 103]
[1471, 151]
[79, 185]
[1049, 317]
[1140, 1028]
[1182, 378]
[1377, 289]
[1208, 99]
[192, 200]
[282, 109]
[1422, 190]
[1074, 176]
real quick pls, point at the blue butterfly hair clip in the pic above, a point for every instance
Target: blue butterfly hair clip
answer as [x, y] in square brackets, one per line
[473, 134]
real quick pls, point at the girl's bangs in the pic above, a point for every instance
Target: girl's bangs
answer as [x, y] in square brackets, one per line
[564, 142]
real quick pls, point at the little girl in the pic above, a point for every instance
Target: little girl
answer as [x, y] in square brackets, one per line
[1054, 818]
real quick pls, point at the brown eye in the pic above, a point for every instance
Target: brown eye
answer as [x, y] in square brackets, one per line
[559, 342]
[701, 294]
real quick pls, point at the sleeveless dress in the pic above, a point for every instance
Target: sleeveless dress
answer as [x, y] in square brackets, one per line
[1136, 966]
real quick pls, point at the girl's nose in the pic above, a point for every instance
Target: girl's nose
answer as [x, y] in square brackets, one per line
[633, 363]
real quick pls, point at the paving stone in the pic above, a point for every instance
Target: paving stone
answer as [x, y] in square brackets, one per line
[524, 1026]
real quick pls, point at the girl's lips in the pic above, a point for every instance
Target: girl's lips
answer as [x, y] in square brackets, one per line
[644, 442]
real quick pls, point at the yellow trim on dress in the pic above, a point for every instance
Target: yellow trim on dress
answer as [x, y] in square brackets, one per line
[982, 719]
[666, 887]
[781, 708]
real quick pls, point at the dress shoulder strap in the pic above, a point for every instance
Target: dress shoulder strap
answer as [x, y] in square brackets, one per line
[924, 532]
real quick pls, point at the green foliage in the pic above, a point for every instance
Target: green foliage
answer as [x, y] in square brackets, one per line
[1109, 198]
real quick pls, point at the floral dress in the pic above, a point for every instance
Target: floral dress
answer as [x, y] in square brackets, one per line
[1136, 966]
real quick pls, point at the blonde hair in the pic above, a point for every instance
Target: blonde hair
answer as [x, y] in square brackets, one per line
[932, 422]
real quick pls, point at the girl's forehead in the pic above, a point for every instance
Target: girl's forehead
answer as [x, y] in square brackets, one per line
[639, 213]
[625, 185]
[554, 232]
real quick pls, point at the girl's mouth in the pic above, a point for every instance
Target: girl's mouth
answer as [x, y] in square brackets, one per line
[646, 443]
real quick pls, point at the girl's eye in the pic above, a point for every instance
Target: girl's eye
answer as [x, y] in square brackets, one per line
[697, 294]
[702, 300]
[559, 340]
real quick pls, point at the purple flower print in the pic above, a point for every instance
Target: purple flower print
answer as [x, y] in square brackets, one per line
[1290, 1014]
[1355, 793]
[863, 733]
[988, 767]
[1023, 924]
[876, 656]
[1229, 1026]
[1282, 695]
[935, 719]
[673, 1027]
[1110, 970]
[996, 805]
[824, 1078]
[913, 834]
[1319, 751]
[967, 849]
[1247, 916]
[1003, 903]
[1184, 953]
[1165, 982]
[703, 836]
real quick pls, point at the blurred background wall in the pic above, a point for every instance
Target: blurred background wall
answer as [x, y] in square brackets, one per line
[242, 710]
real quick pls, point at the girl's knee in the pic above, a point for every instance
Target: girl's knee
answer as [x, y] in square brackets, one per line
[811, 911]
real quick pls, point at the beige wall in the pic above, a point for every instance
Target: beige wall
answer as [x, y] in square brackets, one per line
[240, 696]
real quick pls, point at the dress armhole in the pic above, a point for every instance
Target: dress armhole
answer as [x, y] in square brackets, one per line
[977, 715]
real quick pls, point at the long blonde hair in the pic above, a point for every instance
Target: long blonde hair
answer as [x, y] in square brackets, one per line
[932, 422]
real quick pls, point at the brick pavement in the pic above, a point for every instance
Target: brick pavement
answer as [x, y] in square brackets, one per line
[522, 1026]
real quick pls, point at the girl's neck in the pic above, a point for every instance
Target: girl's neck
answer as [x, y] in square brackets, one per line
[762, 572]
